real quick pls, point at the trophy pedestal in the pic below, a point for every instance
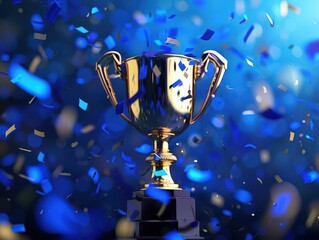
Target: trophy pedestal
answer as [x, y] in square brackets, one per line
[153, 219]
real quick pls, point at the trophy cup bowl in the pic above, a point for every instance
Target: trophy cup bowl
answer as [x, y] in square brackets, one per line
[160, 98]
[160, 93]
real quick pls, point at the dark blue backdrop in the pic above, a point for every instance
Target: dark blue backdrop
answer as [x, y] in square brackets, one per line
[67, 169]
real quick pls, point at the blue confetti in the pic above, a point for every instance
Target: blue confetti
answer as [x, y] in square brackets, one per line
[249, 145]
[41, 156]
[28, 82]
[160, 173]
[176, 83]
[94, 174]
[281, 204]
[166, 48]
[120, 211]
[243, 196]
[249, 237]
[311, 124]
[146, 38]
[215, 224]
[144, 148]
[158, 194]
[134, 215]
[310, 177]
[37, 22]
[46, 186]
[82, 104]
[227, 213]
[98, 188]
[197, 175]
[244, 19]
[238, 53]
[172, 16]
[310, 137]
[119, 108]
[82, 29]
[192, 62]
[160, 16]
[294, 125]
[181, 66]
[136, 96]
[157, 157]
[37, 173]
[188, 50]
[143, 71]
[248, 33]
[232, 15]
[109, 42]
[158, 42]
[207, 35]
[3, 73]
[94, 10]
[188, 166]
[4, 218]
[52, 13]
[18, 228]
[174, 235]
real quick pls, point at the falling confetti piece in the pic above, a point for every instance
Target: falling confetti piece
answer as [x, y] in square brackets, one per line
[158, 194]
[232, 15]
[25, 150]
[144, 148]
[40, 36]
[207, 35]
[197, 175]
[291, 136]
[82, 104]
[244, 19]
[243, 196]
[160, 173]
[136, 96]
[19, 163]
[175, 84]
[109, 42]
[74, 144]
[283, 87]
[217, 200]
[294, 8]
[52, 13]
[94, 10]
[172, 41]
[82, 29]
[278, 179]
[249, 62]
[10, 130]
[249, 145]
[261, 182]
[181, 66]
[270, 20]
[39, 133]
[28, 82]
[41, 156]
[250, 30]
[156, 71]
[117, 145]
[34, 64]
[87, 129]
[18, 228]
[31, 100]
[310, 137]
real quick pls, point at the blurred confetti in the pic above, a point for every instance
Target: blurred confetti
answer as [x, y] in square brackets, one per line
[69, 163]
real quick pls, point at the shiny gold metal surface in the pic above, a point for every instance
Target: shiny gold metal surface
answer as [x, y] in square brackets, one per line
[160, 92]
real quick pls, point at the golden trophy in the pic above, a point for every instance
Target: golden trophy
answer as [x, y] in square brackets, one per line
[160, 92]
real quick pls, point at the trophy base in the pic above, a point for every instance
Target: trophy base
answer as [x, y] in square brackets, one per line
[153, 219]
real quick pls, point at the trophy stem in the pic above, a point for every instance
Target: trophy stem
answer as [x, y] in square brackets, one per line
[161, 159]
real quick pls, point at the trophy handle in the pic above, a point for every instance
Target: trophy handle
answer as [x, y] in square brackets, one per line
[102, 66]
[220, 64]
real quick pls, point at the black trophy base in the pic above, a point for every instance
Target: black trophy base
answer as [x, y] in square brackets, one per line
[153, 219]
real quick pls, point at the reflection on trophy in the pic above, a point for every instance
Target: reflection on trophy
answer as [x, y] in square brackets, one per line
[160, 100]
